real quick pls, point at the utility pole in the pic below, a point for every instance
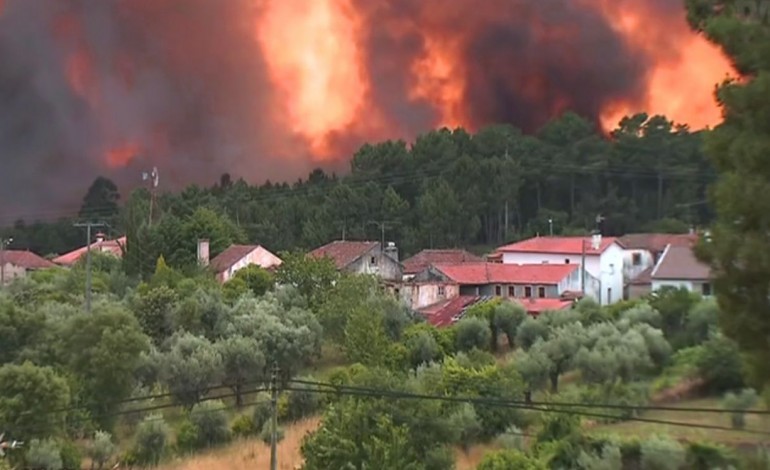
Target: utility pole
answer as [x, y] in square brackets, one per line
[88, 226]
[4, 242]
[154, 178]
[583, 265]
[274, 418]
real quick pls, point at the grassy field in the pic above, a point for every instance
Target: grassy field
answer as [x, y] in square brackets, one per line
[251, 454]
[727, 437]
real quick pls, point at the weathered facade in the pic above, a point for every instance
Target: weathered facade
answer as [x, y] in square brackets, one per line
[363, 257]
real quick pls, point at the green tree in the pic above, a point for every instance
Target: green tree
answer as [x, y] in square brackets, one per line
[191, 367]
[312, 277]
[243, 362]
[101, 449]
[472, 333]
[103, 350]
[44, 455]
[509, 459]
[154, 308]
[258, 279]
[152, 437]
[101, 201]
[29, 397]
[365, 339]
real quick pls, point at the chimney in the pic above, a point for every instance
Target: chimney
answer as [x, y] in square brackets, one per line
[203, 252]
[99, 237]
[391, 250]
[596, 241]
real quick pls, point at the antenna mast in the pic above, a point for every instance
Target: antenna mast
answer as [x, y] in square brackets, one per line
[154, 179]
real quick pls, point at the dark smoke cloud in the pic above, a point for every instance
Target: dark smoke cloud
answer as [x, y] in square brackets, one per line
[185, 79]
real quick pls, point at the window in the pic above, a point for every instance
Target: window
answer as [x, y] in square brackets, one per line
[498, 291]
[636, 259]
[566, 260]
[511, 291]
[705, 289]
[541, 292]
[441, 291]
[528, 291]
[373, 260]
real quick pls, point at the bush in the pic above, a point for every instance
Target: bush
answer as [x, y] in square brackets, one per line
[266, 434]
[720, 364]
[509, 459]
[210, 421]
[262, 411]
[701, 455]
[439, 458]
[740, 402]
[243, 426]
[467, 425]
[472, 333]
[101, 449]
[151, 440]
[302, 401]
[187, 437]
[423, 348]
[609, 458]
[659, 453]
[44, 455]
[71, 457]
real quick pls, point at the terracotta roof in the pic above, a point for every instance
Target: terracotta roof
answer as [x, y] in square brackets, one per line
[657, 242]
[234, 253]
[25, 259]
[425, 258]
[448, 311]
[644, 277]
[344, 252]
[679, 262]
[496, 273]
[559, 245]
[538, 306]
[110, 246]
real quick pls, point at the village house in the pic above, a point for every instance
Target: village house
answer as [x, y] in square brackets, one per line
[422, 260]
[447, 312]
[363, 257]
[642, 250]
[602, 258]
[534, 283]
[101, 245]
[235, 258]
[15, 264]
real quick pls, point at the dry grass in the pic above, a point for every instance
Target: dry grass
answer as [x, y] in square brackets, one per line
[726, 437]
[252, 453]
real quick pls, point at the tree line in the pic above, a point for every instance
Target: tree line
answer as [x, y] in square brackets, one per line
[449, 188]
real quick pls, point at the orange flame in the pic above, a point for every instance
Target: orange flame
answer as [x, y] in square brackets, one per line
[310, 48]
[686, 68]
[122, 155]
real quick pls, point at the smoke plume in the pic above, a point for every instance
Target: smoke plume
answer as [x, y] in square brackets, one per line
[268, 89]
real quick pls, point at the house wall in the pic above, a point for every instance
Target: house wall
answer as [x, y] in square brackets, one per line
[607, 268]
[377, 264]
[12, 271]
[260, 256]
[631, 270]
[635, 291]
[690, 285]
[419, 295]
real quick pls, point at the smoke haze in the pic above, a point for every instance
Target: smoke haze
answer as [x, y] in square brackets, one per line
[269, 89]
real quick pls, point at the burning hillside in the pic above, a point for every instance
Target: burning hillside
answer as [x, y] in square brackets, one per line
[269, 88]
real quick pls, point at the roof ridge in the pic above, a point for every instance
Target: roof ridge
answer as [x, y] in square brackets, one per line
[660, 261]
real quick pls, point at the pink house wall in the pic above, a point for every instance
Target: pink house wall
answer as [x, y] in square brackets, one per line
[260, 256]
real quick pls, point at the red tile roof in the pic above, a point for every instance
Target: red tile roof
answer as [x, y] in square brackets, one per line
[25, 259]
[110, 246]
[657, 242]
[425, 258]
[225, 260]
[679, 262]
[343, 252]
[538, 306]
[559, 245]
[448, 311]
[496, 273]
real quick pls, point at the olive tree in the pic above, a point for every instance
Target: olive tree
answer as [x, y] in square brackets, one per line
[191, 367]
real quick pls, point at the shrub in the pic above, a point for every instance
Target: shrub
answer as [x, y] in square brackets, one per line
[71, 457]
[701, 455]
[467, 424]
[659, 453]
[187, 437]
[423, 348]
[608, 458]
[740, 402]
[44, 455]
[151, 440]
[266, 434]
[243, 426]
[439, 458]
[302, 401]
[472, 333]
[720, 364]
[101, 449]
[210, 421]
[509, 459]
[262, 411]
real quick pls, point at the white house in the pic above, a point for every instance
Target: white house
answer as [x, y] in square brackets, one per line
[643, 250]
[603, 260]
[678, 267]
